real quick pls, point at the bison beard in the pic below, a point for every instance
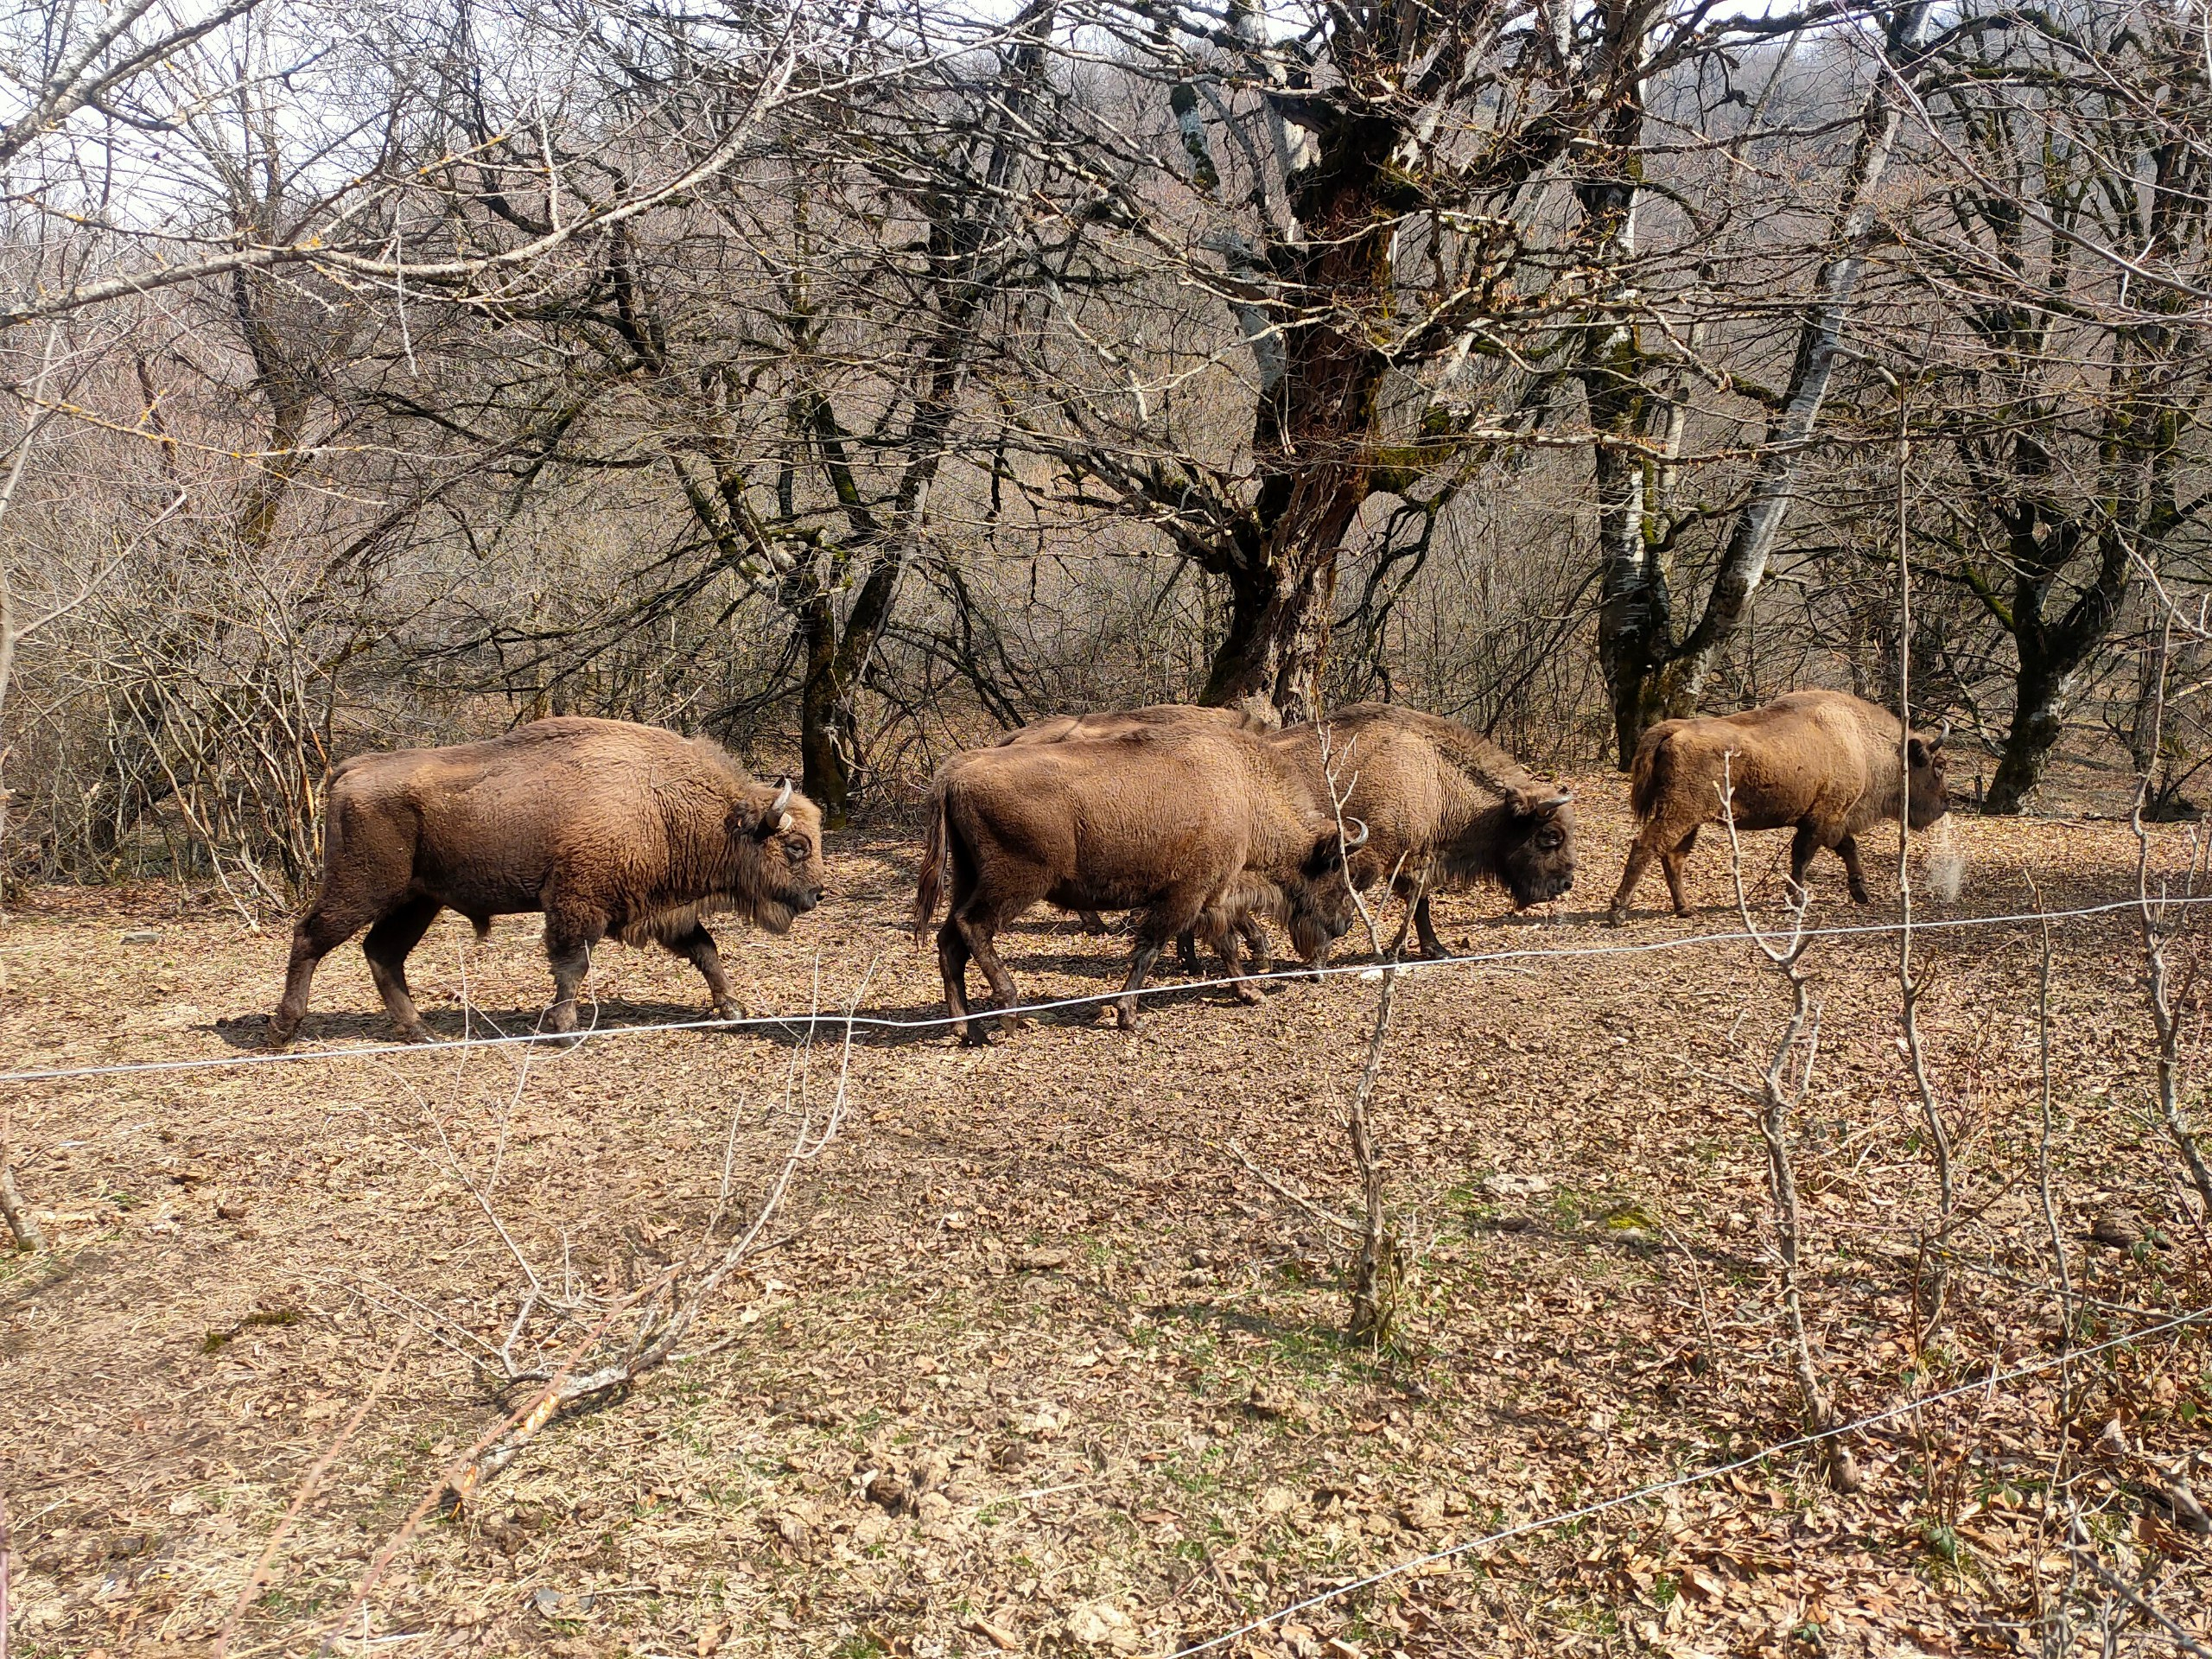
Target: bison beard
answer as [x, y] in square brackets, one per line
[607, 828]
[1191, 826]
[1822, 762]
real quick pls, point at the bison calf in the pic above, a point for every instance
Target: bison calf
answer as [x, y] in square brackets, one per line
[606, 827]
[1193, 827]
[1823, 761]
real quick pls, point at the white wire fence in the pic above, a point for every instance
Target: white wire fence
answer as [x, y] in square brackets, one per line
[815, 1019]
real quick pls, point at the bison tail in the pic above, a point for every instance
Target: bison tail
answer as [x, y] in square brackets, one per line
[1645, 786]
[932, 881]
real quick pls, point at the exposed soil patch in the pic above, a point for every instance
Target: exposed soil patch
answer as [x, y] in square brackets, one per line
[1035, 1363]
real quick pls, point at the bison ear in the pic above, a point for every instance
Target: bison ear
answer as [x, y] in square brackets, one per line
[1326, 858]
[1917, 751]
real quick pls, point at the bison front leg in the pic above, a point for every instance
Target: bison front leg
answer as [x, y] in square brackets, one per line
[1424, 927]
[1141, 961]
[1091, 921]
[697, 947]
[1256, 942]
[568, 949]
[1847, 849]
[321, 931]
[397, 933]
[1224, 938]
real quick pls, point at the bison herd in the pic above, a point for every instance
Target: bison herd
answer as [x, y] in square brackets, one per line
[1200, 822]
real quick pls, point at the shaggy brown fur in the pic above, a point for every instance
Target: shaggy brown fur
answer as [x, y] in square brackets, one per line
[1821, 761]
[1254, 715]
[1446, 808]
[1186, 824]
[607, 828]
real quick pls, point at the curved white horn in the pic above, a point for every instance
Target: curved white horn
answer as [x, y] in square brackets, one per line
[783, 799]
[1557, 801]
[1350, 844]
[1944, 736]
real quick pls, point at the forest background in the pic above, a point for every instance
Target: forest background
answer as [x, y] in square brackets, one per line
[884, 375]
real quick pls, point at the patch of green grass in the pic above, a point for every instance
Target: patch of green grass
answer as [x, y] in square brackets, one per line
[261, 1317]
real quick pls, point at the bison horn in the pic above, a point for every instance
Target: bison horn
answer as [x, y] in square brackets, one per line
[1944, 736]
[1557, 801]
[783, 799]
[1351, 844]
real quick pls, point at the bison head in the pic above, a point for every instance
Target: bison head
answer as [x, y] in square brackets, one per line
[1536, 860]
[1927, 795]
[778, 849]
[1318, 902]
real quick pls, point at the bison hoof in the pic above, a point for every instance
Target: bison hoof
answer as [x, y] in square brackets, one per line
[280, 1033]
[1245, 995]
[729, 1011]
[560, 1019]
[1615, 918]
[417, 1033]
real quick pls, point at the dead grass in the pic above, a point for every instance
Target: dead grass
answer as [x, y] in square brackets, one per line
[1033, 1289]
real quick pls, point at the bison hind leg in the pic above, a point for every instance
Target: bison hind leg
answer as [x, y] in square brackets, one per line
[1671, 861]
[396, 932]
[1640, 854]
[952, 955]
[978, 935]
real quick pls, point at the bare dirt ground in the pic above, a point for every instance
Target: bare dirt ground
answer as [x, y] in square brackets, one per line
[1089, 1366]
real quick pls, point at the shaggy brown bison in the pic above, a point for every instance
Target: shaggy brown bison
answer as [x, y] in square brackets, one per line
[1190, 825]
[606, 827]
[1254, 715]
[1821, 760]
[1446, 808]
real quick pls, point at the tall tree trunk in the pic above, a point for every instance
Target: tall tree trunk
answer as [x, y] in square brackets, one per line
[824, 752]
[1649, 685]
[1315, 431]
[2037, 723]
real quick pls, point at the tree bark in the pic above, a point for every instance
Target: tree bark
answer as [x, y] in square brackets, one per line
[1653, 678]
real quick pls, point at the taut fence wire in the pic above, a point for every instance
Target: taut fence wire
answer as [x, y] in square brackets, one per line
[810, 1020]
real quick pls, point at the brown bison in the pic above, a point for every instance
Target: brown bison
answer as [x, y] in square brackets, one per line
[1821, 760]
[1254, 715]
[1191, 825]
[1446, 808]
[606, 827]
